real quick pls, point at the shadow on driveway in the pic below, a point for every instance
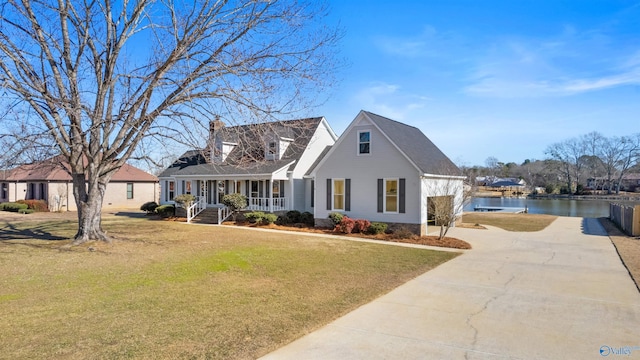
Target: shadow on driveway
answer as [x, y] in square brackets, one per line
[592, 226]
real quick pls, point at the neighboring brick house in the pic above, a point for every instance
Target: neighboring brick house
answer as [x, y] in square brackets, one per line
[49, 180]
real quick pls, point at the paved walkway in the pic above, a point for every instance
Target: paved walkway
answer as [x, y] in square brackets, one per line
[561, 293]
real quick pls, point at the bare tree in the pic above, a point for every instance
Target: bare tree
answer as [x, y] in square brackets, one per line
[569, 156]
[630, 155]
[96, 78]
[446, 200]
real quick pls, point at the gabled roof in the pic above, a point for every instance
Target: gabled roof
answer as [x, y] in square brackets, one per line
[416, 147]
[55, 169]
[248, 154]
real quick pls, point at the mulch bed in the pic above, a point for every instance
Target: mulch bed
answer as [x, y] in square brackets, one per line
[447, 242]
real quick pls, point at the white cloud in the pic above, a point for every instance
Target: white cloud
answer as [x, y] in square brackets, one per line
[388, 100]
[567, 64]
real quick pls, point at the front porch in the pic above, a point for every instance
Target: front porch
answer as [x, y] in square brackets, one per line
[262, 195]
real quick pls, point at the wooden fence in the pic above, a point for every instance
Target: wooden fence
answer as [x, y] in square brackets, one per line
[627, 217]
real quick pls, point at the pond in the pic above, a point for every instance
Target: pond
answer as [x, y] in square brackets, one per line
[560, 207]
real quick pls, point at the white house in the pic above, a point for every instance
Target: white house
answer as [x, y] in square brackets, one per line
[266, 162]
[50, 181]
[385, 171]
[379, 170]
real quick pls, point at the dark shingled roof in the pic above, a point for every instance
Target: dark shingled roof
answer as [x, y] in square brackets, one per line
[416, 146]
[247, 157]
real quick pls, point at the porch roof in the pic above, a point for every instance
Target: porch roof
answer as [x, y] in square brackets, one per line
[266, 167]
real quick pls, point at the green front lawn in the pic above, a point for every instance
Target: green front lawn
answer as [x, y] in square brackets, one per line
[169, 290]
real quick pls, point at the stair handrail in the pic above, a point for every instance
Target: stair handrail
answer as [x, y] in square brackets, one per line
[223, 213]
[196, 208]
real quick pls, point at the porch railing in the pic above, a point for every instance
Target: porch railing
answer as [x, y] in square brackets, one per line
[223, 213]
[267, 204]
[196, 208]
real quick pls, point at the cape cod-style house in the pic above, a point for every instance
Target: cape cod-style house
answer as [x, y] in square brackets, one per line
[379, 169]
[266, 162]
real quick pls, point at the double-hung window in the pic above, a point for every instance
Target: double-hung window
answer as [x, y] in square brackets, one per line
[129, 190]
[338, 194]
[364, 142]
[391, 195]
[171, 190]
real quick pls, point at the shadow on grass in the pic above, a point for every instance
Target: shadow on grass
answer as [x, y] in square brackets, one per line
[11, 232]
[592, 226]
[131, 214]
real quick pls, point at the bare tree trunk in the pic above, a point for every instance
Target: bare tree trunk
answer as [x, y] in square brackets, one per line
[89, 203]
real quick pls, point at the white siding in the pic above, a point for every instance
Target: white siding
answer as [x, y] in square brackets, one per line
[322, 138]
[384, 161]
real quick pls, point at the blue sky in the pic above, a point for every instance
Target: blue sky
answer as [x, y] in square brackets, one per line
[490, 78]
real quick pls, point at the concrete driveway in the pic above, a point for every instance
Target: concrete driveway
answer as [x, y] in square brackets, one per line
[561, 293]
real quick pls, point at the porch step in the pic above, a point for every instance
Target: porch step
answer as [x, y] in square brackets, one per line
[207, 216]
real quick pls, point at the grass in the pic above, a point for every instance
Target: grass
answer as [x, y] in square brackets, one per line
[169, 290]
[508, 221]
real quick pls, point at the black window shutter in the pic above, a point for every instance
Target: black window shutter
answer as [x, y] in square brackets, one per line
[226, 186]
[347, 195]
[402, 196]
[246, 188]
[328, 194]
[260, 188]
[281, 188]
[380, 195]
[313, 190]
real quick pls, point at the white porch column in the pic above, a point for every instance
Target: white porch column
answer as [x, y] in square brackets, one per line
[270, 190]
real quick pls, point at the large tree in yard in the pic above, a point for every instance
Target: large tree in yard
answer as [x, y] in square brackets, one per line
[95, 79]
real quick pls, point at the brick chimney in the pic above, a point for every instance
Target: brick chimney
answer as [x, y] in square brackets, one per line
[215, 125]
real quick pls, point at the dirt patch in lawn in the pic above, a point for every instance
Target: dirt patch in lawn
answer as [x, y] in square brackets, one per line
[628, 248]
[402, 237]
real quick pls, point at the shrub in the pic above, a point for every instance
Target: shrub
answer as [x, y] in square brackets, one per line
[336, 218]
[377, 228]
[269, 218]
[254, 216]
[293, 216]
[166, 210]
[14, 207]
[185, 200]
[346, 225]
[307, 218]
[35, 205]
[235, 201]
[149, 207]
[26, 211]
[361, 225]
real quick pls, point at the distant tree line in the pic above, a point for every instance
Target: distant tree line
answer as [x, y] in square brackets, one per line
[570, 163]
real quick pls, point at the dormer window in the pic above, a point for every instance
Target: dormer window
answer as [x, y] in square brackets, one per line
[364, 142]
[276, 147]
[221, 150]
[272, 149]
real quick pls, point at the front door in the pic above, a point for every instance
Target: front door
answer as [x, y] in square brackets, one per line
[220, 191]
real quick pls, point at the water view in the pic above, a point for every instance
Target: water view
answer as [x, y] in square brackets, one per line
[560, 207]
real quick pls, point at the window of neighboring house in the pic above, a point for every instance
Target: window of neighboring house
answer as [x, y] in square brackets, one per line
[364, 142]
[391, 195]
[43, 191]
[338, 194]
[31, 192]
[171, 190]
[129, 190]
[4, 191]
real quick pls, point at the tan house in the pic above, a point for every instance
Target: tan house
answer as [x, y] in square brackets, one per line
[49, 180]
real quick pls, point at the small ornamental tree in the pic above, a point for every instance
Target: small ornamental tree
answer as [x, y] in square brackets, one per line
[236, 202]
[184, 200]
